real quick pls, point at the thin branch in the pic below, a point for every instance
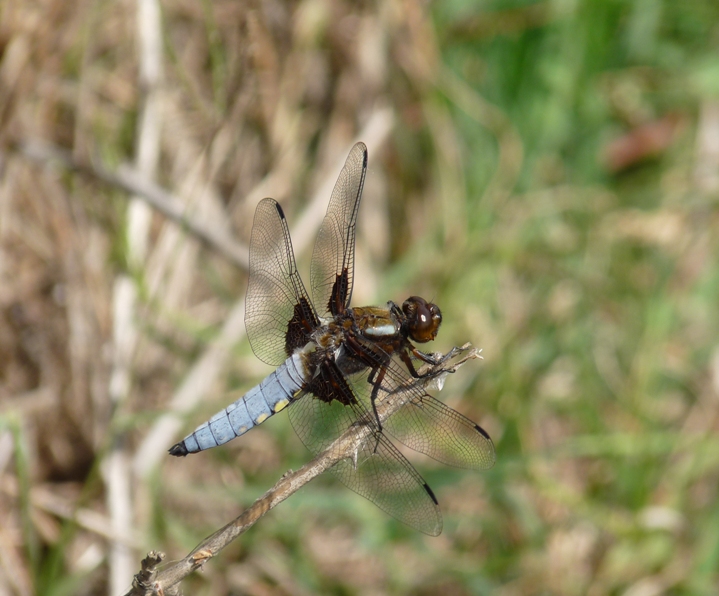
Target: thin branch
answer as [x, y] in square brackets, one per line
[44, 499]
[345, 447]
[374, 134]
[129, 179]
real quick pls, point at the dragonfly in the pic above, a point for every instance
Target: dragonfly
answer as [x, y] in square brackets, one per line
[336, 364]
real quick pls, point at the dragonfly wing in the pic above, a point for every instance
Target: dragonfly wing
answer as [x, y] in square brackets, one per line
[424, 423]
[332, 269]
[427, 425]
[279, 315]
[377, 470]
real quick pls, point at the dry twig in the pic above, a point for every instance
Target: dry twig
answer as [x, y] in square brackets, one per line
[345, 447]
[129, 179]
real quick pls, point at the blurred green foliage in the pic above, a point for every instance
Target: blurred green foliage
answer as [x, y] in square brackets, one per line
[596, 287]
[593, 286]
[593, 289]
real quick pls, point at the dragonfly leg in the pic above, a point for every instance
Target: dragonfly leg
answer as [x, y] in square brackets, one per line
[375, 378]
[430, 359]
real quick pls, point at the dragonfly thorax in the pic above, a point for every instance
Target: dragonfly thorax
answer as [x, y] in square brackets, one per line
[375, 323]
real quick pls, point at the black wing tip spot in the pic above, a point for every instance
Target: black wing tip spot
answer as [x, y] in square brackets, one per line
[279, 210]
[430, 492]
[179, 450]
[362, 147]
[482, 432]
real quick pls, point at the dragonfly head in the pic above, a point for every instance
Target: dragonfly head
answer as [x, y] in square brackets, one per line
[422, 319]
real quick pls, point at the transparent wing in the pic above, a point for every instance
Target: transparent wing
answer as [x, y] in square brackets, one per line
[427, 425]
[278, 312]
[424, 423]
[332, 270]
[385, 477]
[378, 472]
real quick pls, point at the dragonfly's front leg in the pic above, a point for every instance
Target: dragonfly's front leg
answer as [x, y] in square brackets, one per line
[432, 359]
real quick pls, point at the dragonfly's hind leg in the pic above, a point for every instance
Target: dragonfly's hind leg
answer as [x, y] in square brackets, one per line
[375, 378]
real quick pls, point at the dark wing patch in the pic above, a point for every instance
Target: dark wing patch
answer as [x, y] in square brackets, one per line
[300, 326]
[330, 385]
[276, 301]
[332, 270]
[340, 290]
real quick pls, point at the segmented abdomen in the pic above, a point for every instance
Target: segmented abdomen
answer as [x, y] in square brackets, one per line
[275, 392]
